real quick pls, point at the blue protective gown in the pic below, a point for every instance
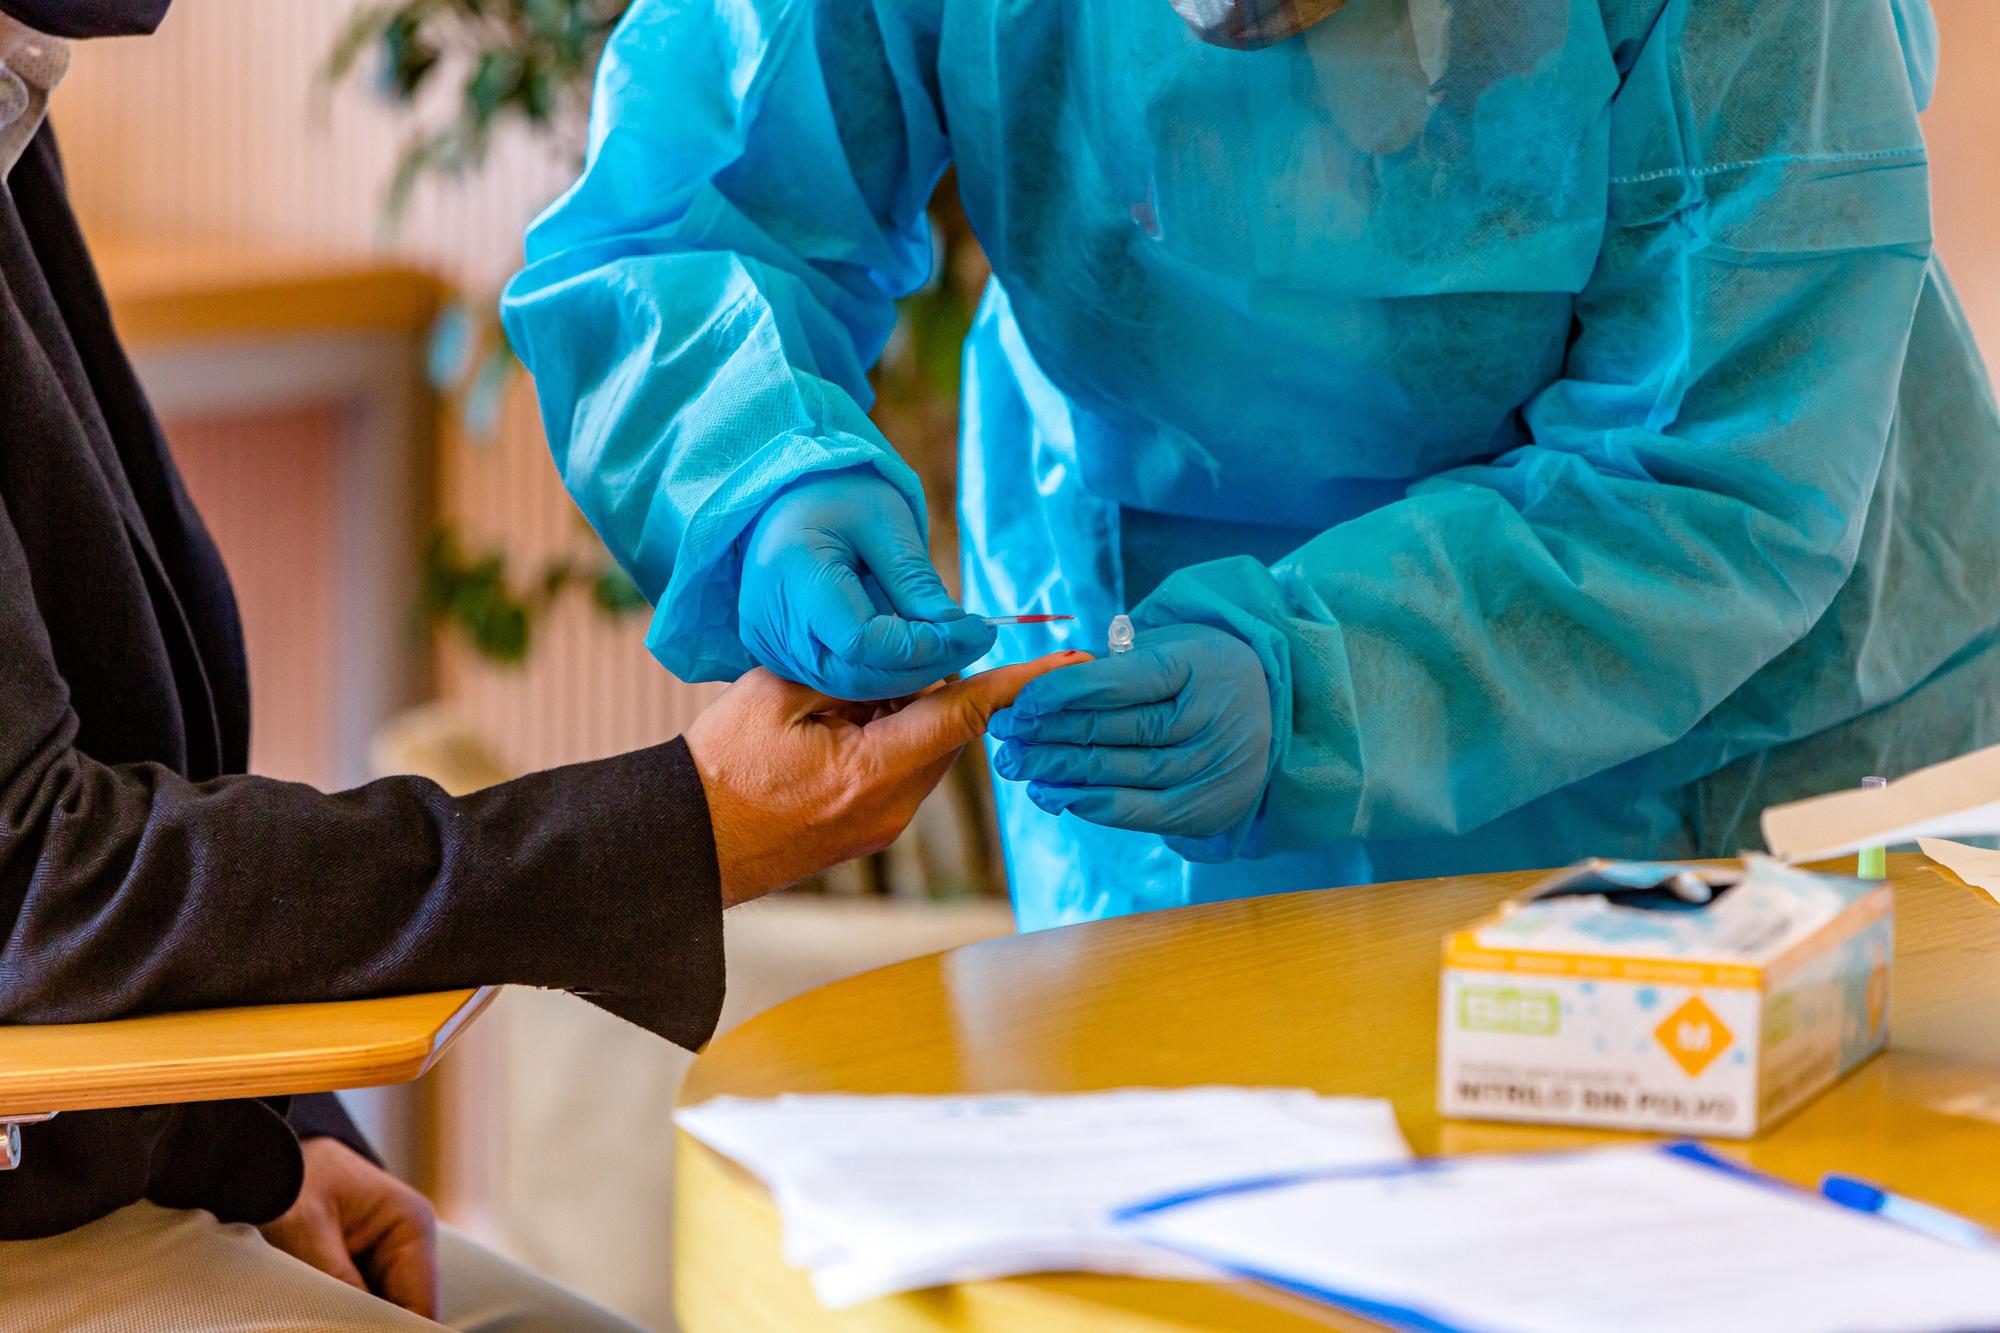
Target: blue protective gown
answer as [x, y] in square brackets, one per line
[1560, 396]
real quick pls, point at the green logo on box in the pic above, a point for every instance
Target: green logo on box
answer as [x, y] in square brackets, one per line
[1527, 1013]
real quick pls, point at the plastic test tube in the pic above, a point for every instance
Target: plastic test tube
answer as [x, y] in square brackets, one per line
[1023, 620]
[1119, 640]
[1873, 862]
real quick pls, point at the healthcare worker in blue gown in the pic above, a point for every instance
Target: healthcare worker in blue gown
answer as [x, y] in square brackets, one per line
[1519, 430]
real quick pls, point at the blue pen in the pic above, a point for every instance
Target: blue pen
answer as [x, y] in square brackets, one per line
[1933, 1222]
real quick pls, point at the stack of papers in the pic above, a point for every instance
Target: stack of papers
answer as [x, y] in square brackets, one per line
[886, 1194]
[1641, 1240]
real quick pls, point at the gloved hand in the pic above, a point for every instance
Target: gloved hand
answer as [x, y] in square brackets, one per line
[1173, 737]
[838, 593]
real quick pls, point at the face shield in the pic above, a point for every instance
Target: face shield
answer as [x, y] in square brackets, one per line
[1246, 25]
[1392, 148]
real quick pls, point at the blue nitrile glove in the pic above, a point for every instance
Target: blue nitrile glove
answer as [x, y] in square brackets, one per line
[838, 593]
[1173, 737]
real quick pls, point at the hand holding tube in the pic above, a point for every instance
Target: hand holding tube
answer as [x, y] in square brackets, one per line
[839, 593]
[1173, 737]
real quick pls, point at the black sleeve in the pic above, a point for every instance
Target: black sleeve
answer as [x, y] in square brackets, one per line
[127, 889]
[319, 1115]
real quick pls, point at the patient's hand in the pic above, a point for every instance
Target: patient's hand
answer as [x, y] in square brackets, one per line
[798, 781]
[355, 1221]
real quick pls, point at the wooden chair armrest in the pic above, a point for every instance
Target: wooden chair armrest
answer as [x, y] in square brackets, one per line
[210, 1054]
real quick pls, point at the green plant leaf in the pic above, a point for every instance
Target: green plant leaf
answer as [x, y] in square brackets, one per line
[550, 18]
[499, 628]
[616, 593]
[495, 79]
[415, 159]
[531, 59]
[474, 598]
[557, 575]
[407, 57]
[541, 88]
[362, 30]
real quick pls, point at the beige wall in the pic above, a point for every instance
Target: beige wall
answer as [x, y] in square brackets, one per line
[219, 127]
[1963, 128]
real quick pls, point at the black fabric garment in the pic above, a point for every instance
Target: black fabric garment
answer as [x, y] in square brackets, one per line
[140, 871]
[88, 18]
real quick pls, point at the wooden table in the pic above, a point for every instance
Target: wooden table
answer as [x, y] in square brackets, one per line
[1335, 991]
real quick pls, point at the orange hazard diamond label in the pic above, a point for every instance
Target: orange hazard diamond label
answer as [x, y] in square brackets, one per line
[1694, 1036]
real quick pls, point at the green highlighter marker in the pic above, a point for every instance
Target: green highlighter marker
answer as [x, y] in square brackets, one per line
[1873, 862]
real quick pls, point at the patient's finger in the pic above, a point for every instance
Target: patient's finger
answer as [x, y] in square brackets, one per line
[943, 721]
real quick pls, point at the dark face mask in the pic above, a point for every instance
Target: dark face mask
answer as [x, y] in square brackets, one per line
[88, 18]
[1247, 25]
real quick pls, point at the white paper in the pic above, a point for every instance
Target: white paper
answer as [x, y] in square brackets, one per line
[1632, 1239]
[1977, 866]
[886, 1194]
[1959, 798]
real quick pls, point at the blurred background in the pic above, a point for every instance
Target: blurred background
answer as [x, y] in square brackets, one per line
[303, 210]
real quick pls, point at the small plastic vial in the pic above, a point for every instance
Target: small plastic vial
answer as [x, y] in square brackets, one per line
[1121, 636]
[1873, 862]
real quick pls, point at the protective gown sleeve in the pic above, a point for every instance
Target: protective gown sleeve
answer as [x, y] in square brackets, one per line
[701, 309]
[1694, 487]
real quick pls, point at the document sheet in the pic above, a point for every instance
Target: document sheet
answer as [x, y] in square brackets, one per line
[1641, 1240]
[887, 1194]
[1977, 866]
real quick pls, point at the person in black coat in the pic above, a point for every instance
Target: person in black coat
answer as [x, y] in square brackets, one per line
[141, 870]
